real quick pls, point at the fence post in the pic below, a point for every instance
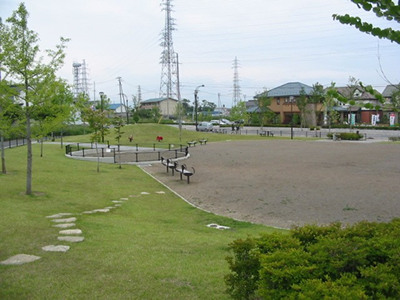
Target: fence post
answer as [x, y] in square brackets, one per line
[102, 152]
[83, 152]
[77, 144]
[176, 153]
[159, 155]
[154, 147]
[136, 154]
[137, 147]
[114, 155]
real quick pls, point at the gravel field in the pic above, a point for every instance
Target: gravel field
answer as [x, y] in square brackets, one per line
[284, 183]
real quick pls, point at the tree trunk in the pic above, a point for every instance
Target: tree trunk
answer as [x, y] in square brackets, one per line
[41, 147]
[29, 154]
[3, 158]
[98, 158]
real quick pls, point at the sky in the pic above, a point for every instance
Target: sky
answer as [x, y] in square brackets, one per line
[274, 41]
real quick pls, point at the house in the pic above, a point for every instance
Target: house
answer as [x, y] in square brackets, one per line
[355, 112]
[284, 100]
[392, 107]
[167, 106]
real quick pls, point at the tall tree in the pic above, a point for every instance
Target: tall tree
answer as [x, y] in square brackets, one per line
[239, 112]
[382, 9]
[263, 101]
[301, 103]
[317, 96]
[22, 62]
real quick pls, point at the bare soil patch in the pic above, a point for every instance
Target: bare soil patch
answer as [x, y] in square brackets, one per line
[286, 183]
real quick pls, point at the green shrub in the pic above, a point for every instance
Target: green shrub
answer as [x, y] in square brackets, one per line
[394, 138]
[313, 262]
[350, 136]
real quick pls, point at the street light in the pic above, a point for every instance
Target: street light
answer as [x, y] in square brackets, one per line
[195, 101]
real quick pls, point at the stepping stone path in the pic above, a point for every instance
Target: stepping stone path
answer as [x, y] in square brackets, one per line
[74, 235]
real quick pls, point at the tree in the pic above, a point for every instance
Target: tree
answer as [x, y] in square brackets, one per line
[316, 97]
[263, 101]
[22, 63]
[301, 103]
[98, 120]
[118, 124]
[329, 103]
[11, 115]
[239, 112]
[382, 9]
[53, 111]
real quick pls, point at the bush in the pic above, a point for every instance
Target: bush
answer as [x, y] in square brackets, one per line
[394, 138]
[349, 136]
[312, 262]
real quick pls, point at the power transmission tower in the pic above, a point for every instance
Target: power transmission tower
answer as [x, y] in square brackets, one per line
[81, 81]
[169, 74]
[236, 87]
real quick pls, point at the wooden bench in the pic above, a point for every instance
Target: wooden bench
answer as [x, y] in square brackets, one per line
[183, 171]
[192, 143]
[169, 164]
[266, 133]
[203, 141]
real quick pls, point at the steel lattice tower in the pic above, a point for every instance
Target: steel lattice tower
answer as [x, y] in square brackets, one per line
[169, 74]
[236, 87]
[81, 81]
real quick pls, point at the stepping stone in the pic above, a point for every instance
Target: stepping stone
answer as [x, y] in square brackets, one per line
[124, 199]
[88, 212]
[65, 225]
[68, 220]
[71, 231]
[145, 193]
[20, 259]
[72, 239]
[160, 192]
[133, 196]
[60, 215]
[118, 205]
[103, 210]
[53, 248]
[117, 201]
[109, 207]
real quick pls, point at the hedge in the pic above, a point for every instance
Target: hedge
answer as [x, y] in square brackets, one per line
[312, 262]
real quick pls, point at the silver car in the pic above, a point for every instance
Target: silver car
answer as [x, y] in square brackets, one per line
[205, 126]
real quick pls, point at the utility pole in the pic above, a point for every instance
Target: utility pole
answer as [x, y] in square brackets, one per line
[196, 91]
[122, 100]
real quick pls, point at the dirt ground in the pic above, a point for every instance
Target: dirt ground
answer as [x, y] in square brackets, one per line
[286, 183]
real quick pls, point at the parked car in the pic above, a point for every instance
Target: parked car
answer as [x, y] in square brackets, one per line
[217, 122]
[205, 126]
[227, 122]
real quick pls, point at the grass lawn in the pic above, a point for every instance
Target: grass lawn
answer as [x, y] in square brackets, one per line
[154, 246]
[145, 134]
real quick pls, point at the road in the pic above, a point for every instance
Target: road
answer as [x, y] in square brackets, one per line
[370, 134]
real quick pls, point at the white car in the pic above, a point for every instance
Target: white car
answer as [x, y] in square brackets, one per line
[226, 121]
[205, 126]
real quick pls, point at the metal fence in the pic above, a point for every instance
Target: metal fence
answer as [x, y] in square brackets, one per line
[124, 154]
